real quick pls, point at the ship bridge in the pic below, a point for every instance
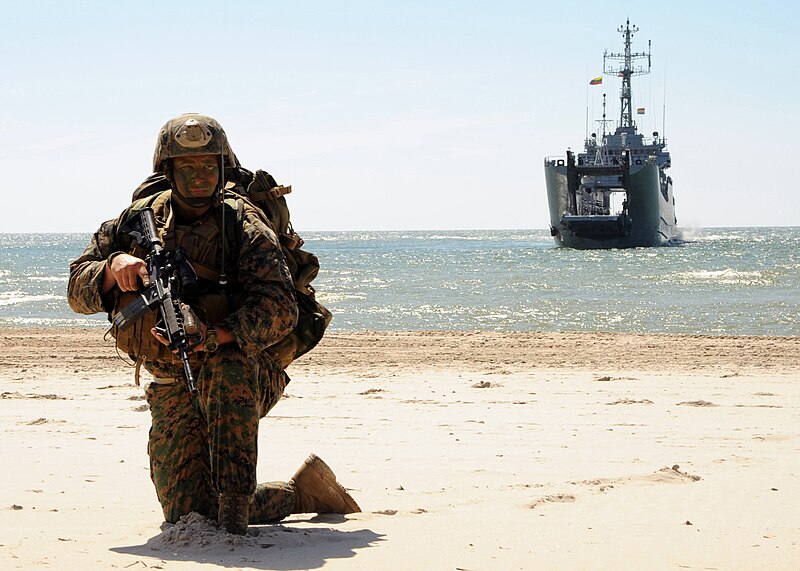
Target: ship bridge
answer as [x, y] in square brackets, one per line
[613, 147]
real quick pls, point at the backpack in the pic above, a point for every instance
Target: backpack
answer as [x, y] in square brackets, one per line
[260, 190]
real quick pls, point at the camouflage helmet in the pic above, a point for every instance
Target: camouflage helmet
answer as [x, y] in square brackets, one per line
[191, 134]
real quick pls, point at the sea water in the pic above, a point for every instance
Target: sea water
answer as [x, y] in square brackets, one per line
[721, 281]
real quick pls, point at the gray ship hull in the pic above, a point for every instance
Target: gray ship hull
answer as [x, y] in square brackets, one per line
[649, 219]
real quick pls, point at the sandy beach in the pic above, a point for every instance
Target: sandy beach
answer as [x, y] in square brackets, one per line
[466, 451]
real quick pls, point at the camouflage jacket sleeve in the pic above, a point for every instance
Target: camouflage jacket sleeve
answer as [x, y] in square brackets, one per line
[86, 273]
[269, 310]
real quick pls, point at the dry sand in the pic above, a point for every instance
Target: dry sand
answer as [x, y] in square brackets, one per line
[472, 451]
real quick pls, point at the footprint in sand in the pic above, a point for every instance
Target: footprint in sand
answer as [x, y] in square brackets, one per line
[696, 403]
[666, 475]
[631, 401]
[552, 498]
[43, 421]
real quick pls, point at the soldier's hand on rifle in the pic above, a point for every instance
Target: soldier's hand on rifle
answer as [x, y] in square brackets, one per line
[222, 336]
[195, 348]
[160, 337]
[128, 272]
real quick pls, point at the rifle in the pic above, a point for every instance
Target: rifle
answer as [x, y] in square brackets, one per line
[170, 272]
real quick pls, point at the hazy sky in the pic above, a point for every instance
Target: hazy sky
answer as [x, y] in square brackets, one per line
[393, 115]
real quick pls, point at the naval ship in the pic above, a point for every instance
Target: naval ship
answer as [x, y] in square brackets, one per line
[615, 194]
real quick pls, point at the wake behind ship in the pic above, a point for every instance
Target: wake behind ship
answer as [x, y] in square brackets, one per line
[616, 194]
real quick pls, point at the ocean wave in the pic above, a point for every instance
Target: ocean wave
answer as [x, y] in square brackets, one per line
[454, 237]
[327, 298]
[429, 235]
[727, 276]
[63, 279]
[53, 322]
[721, 237]
[18, 297]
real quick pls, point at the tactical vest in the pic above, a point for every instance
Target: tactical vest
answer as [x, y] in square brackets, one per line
[211, 303]
[202, 241]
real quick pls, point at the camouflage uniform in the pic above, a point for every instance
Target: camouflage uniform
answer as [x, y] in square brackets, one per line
[202, 447]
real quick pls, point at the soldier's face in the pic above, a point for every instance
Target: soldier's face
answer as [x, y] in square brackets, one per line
[196, 176]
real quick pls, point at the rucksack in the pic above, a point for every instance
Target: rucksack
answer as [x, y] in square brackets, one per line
[261, 191]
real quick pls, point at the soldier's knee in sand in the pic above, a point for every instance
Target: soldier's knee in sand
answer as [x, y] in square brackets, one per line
[178, 451]
[312, 489]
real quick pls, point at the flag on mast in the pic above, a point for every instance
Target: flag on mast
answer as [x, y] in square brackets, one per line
[597, 80]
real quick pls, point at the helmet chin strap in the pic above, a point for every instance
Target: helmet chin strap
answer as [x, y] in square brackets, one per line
[223, 277]
[195, 203]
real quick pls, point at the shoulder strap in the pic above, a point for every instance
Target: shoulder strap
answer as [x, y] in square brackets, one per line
[156, 201]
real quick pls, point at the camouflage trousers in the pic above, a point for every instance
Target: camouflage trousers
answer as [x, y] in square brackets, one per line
[204, 446]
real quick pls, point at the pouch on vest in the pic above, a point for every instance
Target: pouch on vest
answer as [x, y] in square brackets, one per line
[136, 341]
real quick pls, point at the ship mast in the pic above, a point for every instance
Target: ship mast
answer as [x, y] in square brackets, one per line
[599, 158]
[625, 69]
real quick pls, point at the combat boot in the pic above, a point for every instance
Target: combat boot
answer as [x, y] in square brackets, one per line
[317, 491]
[234, 513]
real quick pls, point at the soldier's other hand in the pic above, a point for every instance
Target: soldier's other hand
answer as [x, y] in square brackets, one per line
[165, 341]
[129, 271]
[158, 336]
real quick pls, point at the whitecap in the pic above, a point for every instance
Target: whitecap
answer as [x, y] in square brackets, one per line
[726, 276]
[62, 279]
[18, 297]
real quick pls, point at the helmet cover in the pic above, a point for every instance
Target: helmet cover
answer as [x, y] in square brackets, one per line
[191, 134]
